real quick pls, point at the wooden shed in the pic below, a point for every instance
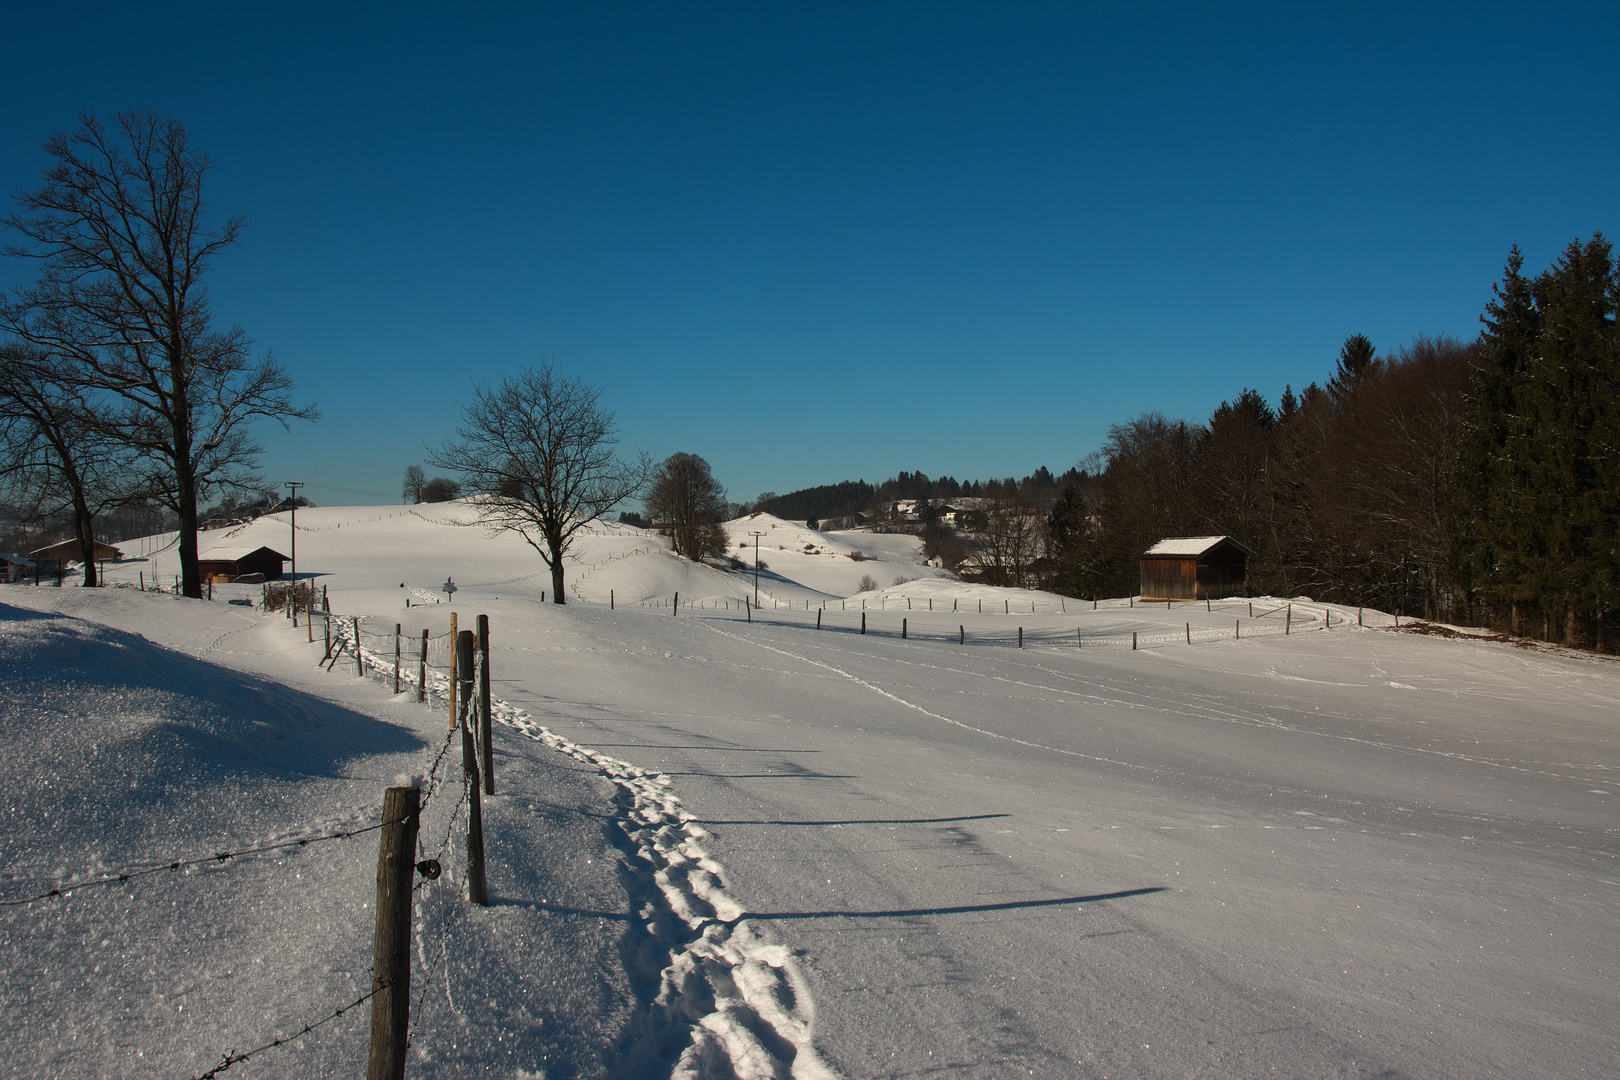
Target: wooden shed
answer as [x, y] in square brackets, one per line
[55, 557]
[229, 564]
[15, 567]
[1195, 568]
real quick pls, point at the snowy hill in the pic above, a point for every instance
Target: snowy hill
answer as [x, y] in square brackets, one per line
[1173, 840]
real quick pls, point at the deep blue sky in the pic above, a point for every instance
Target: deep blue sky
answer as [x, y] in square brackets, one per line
[821, 242]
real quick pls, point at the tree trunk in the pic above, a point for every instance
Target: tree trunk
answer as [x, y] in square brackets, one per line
[190, 579]
[556, 574]
[84, 531]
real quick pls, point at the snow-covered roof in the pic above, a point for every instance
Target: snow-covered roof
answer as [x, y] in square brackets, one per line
[1190, 546]
[235, 552]
[69, 551]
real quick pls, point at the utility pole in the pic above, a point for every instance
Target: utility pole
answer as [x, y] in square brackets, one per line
[756, 536]
[294, 485]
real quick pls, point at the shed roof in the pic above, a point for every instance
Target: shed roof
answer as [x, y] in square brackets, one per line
[1191, 547]
[235, 553]
[68, 550]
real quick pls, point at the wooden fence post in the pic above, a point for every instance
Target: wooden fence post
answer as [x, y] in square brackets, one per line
[359, 658]
[477, 887]
[818, 618]
[309, 617]
[863, 622]
[454, 638]
[675, 608]
[391, 942]
[1020, 637]
[1237, 629]
[749, 608]
[421, 670]
[1079, 640]
[1288, 620]
[961, 634]
[610, 600]
[902, 629]
[486, 722]
[1189, 633]
[1133, 640]
[396, 657]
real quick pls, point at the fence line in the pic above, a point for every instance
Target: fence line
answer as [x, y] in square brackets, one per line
[232, 1058]
[1044, 638]
[182, 864]
[433, 781]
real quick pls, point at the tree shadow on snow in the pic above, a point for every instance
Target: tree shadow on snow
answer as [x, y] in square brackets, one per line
[111, 735]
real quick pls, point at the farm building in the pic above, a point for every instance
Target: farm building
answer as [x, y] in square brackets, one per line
[54, 558]
[233, 563]
[16, 568]
[1195, 568]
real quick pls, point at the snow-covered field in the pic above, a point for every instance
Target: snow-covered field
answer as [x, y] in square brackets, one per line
[760, 849]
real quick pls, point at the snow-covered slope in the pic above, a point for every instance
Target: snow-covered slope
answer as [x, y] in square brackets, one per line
[1258, 842]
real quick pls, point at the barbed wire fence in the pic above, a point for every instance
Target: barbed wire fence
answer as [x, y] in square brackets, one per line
[860, 616]
[433, 921]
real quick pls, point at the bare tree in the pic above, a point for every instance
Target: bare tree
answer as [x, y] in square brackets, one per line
[53, 461]
[415, 480]
[119, 233]
[440, 489]
[1006, 541]
[536, 451]
[687, 504]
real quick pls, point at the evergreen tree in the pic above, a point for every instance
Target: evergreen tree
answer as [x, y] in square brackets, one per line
[1356, 364]
[1541, 473]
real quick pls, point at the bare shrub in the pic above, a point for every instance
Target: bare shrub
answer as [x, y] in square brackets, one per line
[867, 583]
[277, 594]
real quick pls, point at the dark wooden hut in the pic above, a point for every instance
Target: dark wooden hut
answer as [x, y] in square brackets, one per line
[54, 558]
[1195, 568]
[230, 564]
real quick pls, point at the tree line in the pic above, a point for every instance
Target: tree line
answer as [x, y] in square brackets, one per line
[1473, 481]
[1477, 482]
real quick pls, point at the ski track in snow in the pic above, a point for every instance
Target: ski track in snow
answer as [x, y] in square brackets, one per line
[1207, 713]
[737, 995]
[912, 705]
